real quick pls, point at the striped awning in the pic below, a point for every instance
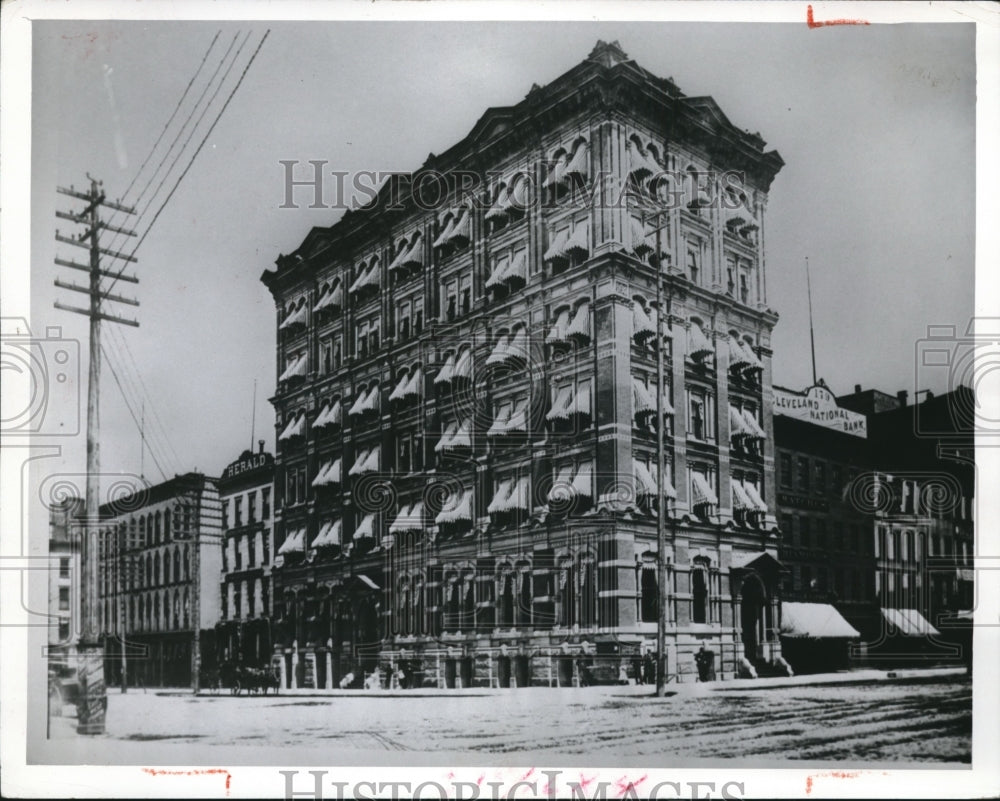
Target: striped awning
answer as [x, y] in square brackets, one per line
[640, 239]
[642, 325]
[296, 368]
[445, 373]
[558, 332]
[557, 248]
[740, 498]
[753, 427]
[737, 425]
[699, 346]
[366, 462]
[753, 362]
[297, 317]
[500, 350]
[330, 533]
[754, 495]
[499, 424]
[409, 518]
[408, 386]
[365, 402]
[642, 399]
[562, 405]
[499, 502]
[463, 366]
[909, 623]
[814, 621]
[645, 480]
[737, 355]
[330, 416]
[370, 276]
[296, 428]
[702, 490]
[295, 542]
[641, 165]
[580, 325]
[329, 473]
[578, 164]
[366, 528]
[458, 507]
[409, 255]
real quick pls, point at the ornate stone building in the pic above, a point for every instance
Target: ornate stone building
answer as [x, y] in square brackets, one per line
[466, 405]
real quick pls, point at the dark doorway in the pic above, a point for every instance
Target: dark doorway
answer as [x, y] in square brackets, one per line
[565, 671]
[503, 671]
[522, 671]
[751, 616]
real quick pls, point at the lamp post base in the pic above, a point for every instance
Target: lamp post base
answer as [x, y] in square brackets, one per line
[92, 705]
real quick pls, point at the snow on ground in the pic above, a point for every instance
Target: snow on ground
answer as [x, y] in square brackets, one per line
[925, 721]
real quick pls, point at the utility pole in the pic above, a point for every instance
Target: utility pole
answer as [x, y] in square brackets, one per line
[661, 512]
[812, 338]
[92, 703]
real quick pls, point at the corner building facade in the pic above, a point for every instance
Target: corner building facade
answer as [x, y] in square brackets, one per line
[466, 413]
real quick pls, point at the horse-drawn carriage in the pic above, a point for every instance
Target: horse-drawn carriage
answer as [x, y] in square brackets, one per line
[238, 677]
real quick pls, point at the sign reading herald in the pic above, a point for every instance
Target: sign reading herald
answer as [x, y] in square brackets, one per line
[818, 405]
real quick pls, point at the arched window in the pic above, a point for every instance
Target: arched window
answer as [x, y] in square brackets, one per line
[454, 605]
[588, 591]
[177, 564]
[649, 602]
[167, 534]
[156, 611]
[166, 568]
[469, 605]
[156, 526]
[567, 595]
[156, 568]
[142, 530]
[524, 596]
[142, 614]
[166, 611]
[177, 610]
[507, 601]
[187, 563]
[699, 593]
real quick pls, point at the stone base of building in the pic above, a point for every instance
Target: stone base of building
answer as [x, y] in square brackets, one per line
[515, 660]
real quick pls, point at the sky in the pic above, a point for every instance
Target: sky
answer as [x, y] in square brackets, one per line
[876, 126]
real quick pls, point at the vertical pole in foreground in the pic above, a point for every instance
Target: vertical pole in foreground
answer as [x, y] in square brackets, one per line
[92, 703]
[93, 694]
[661, 535]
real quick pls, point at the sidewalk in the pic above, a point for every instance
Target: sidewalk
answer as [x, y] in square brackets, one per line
[673, 689]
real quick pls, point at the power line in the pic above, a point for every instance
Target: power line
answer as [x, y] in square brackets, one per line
[187, 89]
[128, 405]
[179, 134]
[200, 146]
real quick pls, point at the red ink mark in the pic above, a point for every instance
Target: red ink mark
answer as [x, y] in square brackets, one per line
[526, 775]
[480, 779]
[628, 786]
[451, 775]
[207, 772]
[836, 774]
[813, 24]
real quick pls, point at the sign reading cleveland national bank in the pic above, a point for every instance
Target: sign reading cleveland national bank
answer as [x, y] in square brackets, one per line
[818, 405]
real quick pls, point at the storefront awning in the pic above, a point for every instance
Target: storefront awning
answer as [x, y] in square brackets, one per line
[909, 623]
[458, 507]
[703, 492]
[580, 326]
[296, 428]
[814, 621]
[445, 373]
[642, 325]
[699, 345]
[296, 368]
[294, 542]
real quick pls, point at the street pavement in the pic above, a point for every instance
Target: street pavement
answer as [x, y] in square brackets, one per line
[916, 717]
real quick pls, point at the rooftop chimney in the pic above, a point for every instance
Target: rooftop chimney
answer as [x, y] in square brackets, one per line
[260, 446]
[857, 389]
[901, 397]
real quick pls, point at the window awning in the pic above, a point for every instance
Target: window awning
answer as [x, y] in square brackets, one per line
[397, 393]
[581, 402]
[558, 330]
[296, 428]
[583, 481]
[754, 494]
[463, 436]
[641, 164]
[562, 405]
[737, 355]
[410, 518]
[580, 327]
[365, 529]
[909, 623]
[562, 483]
[814, 621]
[640, 239]
[699, 344]
[329, 534]
[737, 425]
[753, 427]
[519, 494]
[411, 254]
[328, 474]
[557, 248]
[297, 317]
[365, 402]
[642, 326]
[740, 498]
[408, 386]
[519, 417]
[295, 368]
[446, 436]
[499, 502]
[443, 237]
[458, 507]
[517, 269]
[323, 298]
[462, 227]
[578, 164]
[642, 399]
[499, 354]
[294, 542]
[579, 240]
[323, 418]
[703, 492]
[445, 373]
[499, 424]
[370, 276]
[498, 276]
[518, 345]
[335, 299]
[463, 367]
[753, 362]
[644, 481]
[367, 462]
[558, 169]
